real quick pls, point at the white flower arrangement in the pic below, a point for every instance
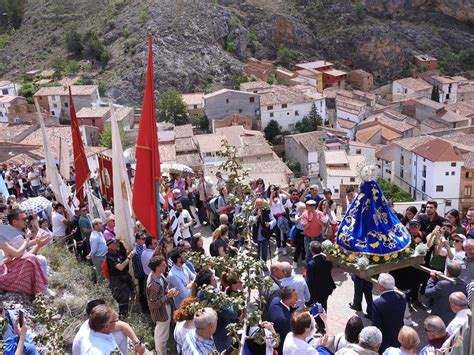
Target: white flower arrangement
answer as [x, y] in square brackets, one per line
[421, 250]
[327, 246]
[362, 262]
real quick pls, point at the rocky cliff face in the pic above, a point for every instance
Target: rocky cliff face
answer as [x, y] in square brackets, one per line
[202, 45]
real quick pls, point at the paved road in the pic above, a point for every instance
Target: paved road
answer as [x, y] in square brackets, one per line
[338, 303]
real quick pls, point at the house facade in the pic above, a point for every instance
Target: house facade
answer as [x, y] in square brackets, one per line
[448, 88]
[6, 103]
[306, 149]
[194, 103]
[410, 88]
[55, 99]
[361, 80]
[225, 102]
[7, 88]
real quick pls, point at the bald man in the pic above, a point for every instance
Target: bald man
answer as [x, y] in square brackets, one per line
[467, 273]
[297, 282]
[458, 304]
[276, 274]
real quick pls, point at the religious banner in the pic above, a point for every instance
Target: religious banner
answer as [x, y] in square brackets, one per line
[106, 176]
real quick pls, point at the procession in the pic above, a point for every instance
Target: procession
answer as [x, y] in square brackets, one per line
[228, 264]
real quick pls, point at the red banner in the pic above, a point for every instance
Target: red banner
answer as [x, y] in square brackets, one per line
[106, 176]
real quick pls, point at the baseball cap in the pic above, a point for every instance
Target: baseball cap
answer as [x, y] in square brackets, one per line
[314, 187]
[310, 203]
[460, 236]
[414, 223]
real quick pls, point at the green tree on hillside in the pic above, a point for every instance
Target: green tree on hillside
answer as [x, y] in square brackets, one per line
[73, 41]
[435, 93]
[27, 91]
[106, 137]
[393, 192]
[272, 131]
[310, 122]
[172, 107]
[13, 10]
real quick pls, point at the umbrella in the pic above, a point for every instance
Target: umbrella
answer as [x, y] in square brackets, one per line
[34, 205]
[176, 167]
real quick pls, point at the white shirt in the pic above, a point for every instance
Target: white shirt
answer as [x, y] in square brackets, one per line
[184, 217]
[180, 333]
[83, 336]
[59, 228]
[145, 259]
[34, 182]
[458, 321]
[299, 284]
[294, 346]
[277, 206]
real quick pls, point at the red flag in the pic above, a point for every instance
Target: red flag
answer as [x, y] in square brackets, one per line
[106, 177]
[147, 171]
[81, 168]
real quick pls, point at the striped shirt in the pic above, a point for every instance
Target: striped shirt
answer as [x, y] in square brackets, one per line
[196, 345]
[137, 262]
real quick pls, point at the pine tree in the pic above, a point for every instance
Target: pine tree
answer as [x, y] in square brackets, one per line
[435, 93]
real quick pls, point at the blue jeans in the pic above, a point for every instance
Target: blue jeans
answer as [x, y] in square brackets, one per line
[262, 249]
[307, 241]
[35, 190]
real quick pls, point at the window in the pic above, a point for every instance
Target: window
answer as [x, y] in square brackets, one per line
[195, 107]
[352, 179]
[270, 107]
[297, 113]
[439, 188]
[358, 151]
[453, 164]
[447, 96]
[287, 113]
[401, 173]
[402, 159]
[271, 114]
[423, 173]
[252, 99]
[453, 173]
[1, 113]
[226, 101]
[336, 191]
[467, 191]
[55, 105]
[468, 175]
[446, 173]
[423, 186]
[4, 91]
[405, 91]
[448, 203]
[240, 110]
[52, 113]
[66, 104]
[283, 105]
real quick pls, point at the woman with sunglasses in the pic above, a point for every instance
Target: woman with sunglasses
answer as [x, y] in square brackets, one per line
[454, 218]
[454, 248]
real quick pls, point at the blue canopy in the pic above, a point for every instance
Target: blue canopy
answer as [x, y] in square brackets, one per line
[370, 226]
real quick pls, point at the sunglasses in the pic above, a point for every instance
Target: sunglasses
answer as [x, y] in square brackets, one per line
[457, 241]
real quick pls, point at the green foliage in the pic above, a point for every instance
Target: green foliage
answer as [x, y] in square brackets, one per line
[240, 78]
[14, 10]
[426, 45]
[73, 41]
[126, 32]
[172, 107]
[272, 131]
[229, 43]
[202, 122]
[360, 10]
[435, 93]
[285, 56]
[72, 67]
[4, 39]
[252, 36]
[294, 166]
[272, 80]
[393, 192]
[452, 63]
[310, 122]
[55, 9]
[94, 48]
[144, 15]
[102, 87]
[235, 21]
[59, 66]
[106, 137]
[27, 91]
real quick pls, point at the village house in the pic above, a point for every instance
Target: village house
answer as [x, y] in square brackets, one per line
[334, 78]
[306, 149]
[287, 106]
[385, 155]
[447, 87]
[194, 103]
[384, 127]
[429, 109]
[349, 113]
[256, 87]
[93, 116]
[6, 104]
[320, 65]
[187, 152]
[426, 62]
[284, 76]
[467, 183]
[311, 77]
[55, 99]
[226, 102]
[406, 88]
[262, 69]
[124, 116]
[7, 88]
[466, 91]
[234, 120]
[359, 148]
[361, 80]
[340, 170]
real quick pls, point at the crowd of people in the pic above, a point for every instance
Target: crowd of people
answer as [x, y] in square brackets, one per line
[290, 222]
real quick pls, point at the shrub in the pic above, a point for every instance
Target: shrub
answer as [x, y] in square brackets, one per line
[74, 42]
[272, 131]
[393, 192]
[2, 68]
[229, 44]
[285, 56]
[72, 67]
[4, 39]
[27, 91]
[294, 166]
[126, 32]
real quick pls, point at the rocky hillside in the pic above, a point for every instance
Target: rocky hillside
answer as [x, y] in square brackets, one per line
[203, 44]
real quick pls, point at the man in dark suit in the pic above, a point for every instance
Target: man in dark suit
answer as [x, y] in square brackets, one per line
[388, 311]
[279, 313]
[318, 276]
[439, 291]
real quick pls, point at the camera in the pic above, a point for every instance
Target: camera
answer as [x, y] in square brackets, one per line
[316, 308]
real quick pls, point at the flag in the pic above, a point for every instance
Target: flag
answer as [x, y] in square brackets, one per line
[105, 173]
[96, 209]
[51, 169]
[121, 188]
[62, 155]
[147, 174]
[81, 166]
[3, 188]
